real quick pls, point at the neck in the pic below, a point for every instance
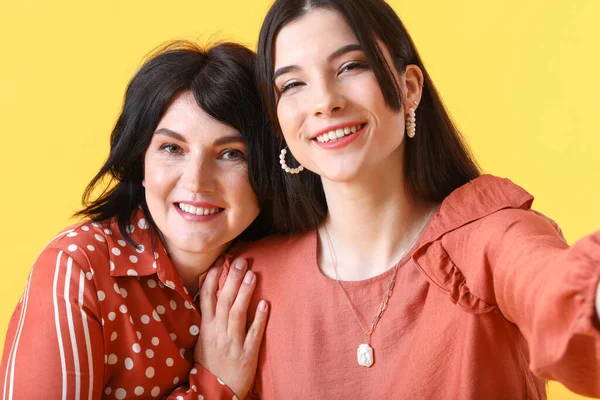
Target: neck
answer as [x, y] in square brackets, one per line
[191, 265]
[373, 221]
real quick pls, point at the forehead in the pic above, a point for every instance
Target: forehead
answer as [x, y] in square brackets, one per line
[184, 115]
[312, 37]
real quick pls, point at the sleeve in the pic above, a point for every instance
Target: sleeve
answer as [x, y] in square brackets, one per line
[54, 344]
[544, 286]
[205, 384]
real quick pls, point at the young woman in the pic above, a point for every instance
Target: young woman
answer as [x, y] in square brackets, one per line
[109, 309]
[408, 275]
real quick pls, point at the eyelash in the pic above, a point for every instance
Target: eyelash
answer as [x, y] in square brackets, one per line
[349, 66]
[166, 146]
[240, 156]
[288, 86]
[352, 65]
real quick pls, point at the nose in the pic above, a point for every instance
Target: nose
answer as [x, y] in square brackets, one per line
[198, 175]
[328, 99]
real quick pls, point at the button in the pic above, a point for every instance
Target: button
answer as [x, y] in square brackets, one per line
[194, 330]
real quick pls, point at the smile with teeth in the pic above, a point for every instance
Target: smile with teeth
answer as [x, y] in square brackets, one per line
[198, 210]
[339, 133]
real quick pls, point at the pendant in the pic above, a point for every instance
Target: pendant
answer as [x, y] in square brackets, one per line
[364, 354]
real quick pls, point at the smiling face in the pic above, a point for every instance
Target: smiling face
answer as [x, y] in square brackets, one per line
[196, 180]
[330, 107]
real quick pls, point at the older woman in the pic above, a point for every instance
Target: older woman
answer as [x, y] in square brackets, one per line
[109, 310]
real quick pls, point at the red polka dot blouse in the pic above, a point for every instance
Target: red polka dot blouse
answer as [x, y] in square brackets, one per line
[100, 318]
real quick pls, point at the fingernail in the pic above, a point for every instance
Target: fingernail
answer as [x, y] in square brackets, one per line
[262, 306]
[240, 264]
[249, 277]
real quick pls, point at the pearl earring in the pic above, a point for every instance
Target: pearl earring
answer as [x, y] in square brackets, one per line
[411, 123]
[285, 167]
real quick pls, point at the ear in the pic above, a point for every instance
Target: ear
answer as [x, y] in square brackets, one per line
[413, 81]
[143, 182]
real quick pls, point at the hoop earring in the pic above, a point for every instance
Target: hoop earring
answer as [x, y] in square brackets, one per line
[285, 167]
[411, 123]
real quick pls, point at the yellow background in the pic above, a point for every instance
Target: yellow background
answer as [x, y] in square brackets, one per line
[520, 77]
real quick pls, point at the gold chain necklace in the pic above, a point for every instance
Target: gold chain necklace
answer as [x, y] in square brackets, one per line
[364, 353]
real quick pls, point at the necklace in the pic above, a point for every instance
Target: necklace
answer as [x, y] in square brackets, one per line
[364, 353]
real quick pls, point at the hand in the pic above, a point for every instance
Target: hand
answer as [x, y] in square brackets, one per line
[224, 347]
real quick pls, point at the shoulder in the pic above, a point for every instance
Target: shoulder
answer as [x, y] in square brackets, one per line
[479, 226]
[100, 246]
[508, 226]
[280, 249]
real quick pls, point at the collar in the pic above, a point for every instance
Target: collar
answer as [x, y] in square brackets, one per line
[150, 257]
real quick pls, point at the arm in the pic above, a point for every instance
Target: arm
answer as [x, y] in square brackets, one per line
[225, 347]
[53, 333]
[543, 286]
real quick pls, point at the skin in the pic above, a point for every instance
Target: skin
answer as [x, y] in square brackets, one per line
[197, 160]
[323, 80]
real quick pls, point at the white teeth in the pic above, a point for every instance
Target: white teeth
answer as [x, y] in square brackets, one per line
[197, 210]
[337, 134]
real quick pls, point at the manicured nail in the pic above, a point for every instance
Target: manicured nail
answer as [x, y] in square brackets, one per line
[240, 264]
[249, 278]
[262, 306]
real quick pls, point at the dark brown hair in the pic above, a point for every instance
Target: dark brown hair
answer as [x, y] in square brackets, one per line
[222, 81]
[437, 161]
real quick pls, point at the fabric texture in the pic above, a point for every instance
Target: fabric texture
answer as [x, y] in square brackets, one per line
[489, 303]
[101, 318]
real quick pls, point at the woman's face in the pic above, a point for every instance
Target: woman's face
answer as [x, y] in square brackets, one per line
[330, 108]
[196, 180]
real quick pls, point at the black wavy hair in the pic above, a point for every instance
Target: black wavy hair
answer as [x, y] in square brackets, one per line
[222, 80]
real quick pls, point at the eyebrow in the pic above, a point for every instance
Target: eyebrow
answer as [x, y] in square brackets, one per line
[229, 139]
[170, 133]
[219, 142]
[339, 52]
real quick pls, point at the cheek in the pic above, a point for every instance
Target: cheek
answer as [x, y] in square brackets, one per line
[241, 194]
[288, 115]
[158, 178]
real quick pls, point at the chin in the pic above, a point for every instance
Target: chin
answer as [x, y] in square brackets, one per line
[198, 244]
[342, 176]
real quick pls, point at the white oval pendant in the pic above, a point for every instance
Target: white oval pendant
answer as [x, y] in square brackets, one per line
[364, 354]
